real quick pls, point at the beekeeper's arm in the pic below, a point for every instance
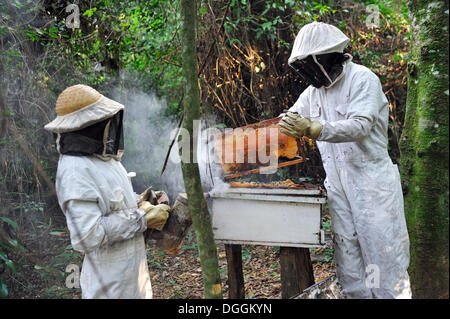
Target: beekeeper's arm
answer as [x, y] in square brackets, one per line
[89, 228]
[301, 106]
[296, 122]
[361, 114]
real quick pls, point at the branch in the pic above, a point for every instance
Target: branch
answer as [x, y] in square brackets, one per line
[215, 40]
[33, 159]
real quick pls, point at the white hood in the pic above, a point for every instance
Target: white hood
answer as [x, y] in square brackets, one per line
[318, 38]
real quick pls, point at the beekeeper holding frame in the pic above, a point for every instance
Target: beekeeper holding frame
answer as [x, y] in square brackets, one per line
[345, 110]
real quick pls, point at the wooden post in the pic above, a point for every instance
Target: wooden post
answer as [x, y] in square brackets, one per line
[296, 271]
[236, 288]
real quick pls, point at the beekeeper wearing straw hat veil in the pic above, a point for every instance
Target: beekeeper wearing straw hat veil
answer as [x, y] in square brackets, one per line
[345, 110]
[103, 215]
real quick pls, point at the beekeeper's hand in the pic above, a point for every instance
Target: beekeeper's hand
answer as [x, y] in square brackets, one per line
[285, 112]
[156, 216]
[296, 125]
[145, 195]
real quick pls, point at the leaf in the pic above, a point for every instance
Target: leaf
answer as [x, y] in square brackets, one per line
[266, 25]
[3, 289]
[3, 256]
[13, 242]
[11, 266]
[8, 262]
[9, 221]
[37, 267]
[88, 13]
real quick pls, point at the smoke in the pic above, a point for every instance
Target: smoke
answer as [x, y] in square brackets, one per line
[147, 130]
[211, 172]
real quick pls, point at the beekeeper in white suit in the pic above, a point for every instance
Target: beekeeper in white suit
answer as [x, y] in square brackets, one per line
[345, 110]
[97, 198]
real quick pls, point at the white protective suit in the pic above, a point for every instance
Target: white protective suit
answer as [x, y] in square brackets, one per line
[363, 185]
[97, 198]
[105, 223]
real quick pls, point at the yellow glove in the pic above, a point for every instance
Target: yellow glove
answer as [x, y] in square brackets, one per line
[156, 216]
[296, 125]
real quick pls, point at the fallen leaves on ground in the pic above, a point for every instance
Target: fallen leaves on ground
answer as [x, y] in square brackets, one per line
[172, 277]
[180, 276]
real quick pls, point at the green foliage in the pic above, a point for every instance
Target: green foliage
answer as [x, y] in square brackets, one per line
[326, 224]
[3, 288]
[329, 254]
[4, 259]
[394, 11]
[247, 252]
[265, 23]
[135, 42]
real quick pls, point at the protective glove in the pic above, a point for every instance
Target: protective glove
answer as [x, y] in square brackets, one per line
[155, 215]
[146, 195]
[296, 125]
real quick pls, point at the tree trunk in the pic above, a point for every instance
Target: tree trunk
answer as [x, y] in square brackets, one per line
[191, 175]
[424, 149]
[3, 120]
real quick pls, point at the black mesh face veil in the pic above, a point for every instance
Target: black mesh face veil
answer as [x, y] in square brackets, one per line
[103, 138]
[312, 73]
[332, 63]
[114, 139]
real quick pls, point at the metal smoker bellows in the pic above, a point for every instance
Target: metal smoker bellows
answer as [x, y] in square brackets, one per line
[288, 216]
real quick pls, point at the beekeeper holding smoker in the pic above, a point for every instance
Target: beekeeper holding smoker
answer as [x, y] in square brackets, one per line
[345, 110]
[104, 215]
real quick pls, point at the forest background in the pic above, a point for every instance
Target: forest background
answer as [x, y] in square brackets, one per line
[131, 51]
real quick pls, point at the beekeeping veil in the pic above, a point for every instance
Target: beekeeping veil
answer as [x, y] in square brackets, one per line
[88, 123]
[318, 54]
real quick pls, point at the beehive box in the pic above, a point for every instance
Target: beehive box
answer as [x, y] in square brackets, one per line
[272, 217]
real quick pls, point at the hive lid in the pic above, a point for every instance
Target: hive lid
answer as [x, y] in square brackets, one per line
[272, 191]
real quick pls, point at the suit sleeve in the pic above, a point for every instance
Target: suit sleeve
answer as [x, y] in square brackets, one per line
[301, 106]
[366, 101]
[89, 227]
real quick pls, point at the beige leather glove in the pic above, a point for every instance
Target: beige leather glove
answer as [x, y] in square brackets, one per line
[296, 125]
[156, 216]
[144, 196]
